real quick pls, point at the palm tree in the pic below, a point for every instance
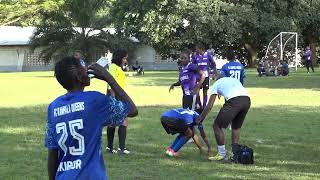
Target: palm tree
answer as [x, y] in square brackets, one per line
[78, 25]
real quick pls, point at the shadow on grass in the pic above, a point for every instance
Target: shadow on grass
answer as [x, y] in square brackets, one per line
[285, 141]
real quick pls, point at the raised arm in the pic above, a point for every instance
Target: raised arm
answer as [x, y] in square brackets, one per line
[102, 74]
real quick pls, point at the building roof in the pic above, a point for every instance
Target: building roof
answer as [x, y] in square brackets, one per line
[14, 35]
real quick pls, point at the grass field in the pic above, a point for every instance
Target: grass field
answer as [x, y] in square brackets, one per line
[282, 127]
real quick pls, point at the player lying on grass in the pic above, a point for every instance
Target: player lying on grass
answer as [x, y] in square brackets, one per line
[190, 80]
[76, 119]
[182, 121]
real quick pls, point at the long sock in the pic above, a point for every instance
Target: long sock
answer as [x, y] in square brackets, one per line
[222, 150]
[110, 136]
[205, 98]
[175, 141]
[122, 132]
[182, 140]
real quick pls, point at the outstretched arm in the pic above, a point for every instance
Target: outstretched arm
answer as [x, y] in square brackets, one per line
[205, 139]
[207, 109]
[178, 83]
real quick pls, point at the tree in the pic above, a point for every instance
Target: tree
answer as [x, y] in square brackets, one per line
[25, 12]
[77, 25]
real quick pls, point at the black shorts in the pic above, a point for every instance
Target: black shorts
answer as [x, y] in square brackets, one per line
[188, 102]
[233, 111]
[173, 126]
[206, 83]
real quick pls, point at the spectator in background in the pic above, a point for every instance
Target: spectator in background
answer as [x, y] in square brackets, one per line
[138, 68]
[284, 71]
[307, 58]
[78, 56]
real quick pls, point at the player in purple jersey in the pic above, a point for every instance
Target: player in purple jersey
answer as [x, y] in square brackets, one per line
[76, 119]
[232, 68]
[205, 62]
[190, 80]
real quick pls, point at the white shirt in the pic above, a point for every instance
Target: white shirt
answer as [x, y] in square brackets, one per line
[228, 88]
[109, 57]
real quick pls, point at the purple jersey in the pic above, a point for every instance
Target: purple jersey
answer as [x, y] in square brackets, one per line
[307, 55]
[188, 78]
[204, 61]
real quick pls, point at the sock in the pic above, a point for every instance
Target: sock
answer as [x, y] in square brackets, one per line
[222, 150]
[175, 141]
[205, 97]
[110, 136]
[122, 132]
[182, 140]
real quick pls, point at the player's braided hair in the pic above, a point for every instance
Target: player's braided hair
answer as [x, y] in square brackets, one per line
[66, 71]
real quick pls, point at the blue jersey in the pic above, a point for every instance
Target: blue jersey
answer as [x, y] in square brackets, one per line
[74, 128]
[185, 115]
[233, 69]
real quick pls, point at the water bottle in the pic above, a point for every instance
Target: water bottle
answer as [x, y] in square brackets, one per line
[102, 62]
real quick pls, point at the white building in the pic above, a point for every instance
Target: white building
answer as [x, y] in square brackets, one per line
[15, 53]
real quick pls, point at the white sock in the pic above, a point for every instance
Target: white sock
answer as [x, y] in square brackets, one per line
[222, 150]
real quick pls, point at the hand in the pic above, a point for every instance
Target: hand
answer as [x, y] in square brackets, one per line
[196, 90]
[171, 88]
[99, 72]
[199, 120]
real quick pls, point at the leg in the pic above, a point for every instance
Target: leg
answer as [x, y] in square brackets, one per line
[122, 133]
[218, 133]
[311, 65]
[235, 135]
[307, 65]
[110, 136]
[176, 141]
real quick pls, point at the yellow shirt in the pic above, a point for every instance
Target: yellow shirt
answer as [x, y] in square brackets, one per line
[118, 74]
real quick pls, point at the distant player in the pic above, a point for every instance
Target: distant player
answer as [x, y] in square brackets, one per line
[182, 121]
[190, 79]
[233, 111]
[76, 119]
[232, 68]
[78, 56]
[205, 62]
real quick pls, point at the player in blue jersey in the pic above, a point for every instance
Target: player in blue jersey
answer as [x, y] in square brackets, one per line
[182, 121]
[232, 68]
[76, 119]
[205, 62]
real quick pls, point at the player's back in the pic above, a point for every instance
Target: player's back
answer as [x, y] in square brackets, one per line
[233, 69]
[76, 121]
[185, 115]
[229, 88]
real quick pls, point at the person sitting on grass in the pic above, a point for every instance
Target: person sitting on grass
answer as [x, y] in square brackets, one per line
[284, 68]
[182, 121]
[138, 68]
[76, 119]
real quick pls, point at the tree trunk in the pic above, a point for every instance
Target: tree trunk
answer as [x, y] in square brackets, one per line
[252, 55]
[313, 47]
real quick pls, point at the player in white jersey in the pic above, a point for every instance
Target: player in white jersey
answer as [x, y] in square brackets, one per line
[233, 111]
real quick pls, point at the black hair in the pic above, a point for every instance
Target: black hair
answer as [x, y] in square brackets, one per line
[66, 72]
[200, 46]
[118, 55]
[230, 55]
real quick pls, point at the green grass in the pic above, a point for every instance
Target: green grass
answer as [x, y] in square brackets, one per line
[282, 127]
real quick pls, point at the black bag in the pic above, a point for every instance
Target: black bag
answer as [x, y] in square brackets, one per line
[242, 154]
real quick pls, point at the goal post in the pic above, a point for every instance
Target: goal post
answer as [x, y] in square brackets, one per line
[283, 40]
